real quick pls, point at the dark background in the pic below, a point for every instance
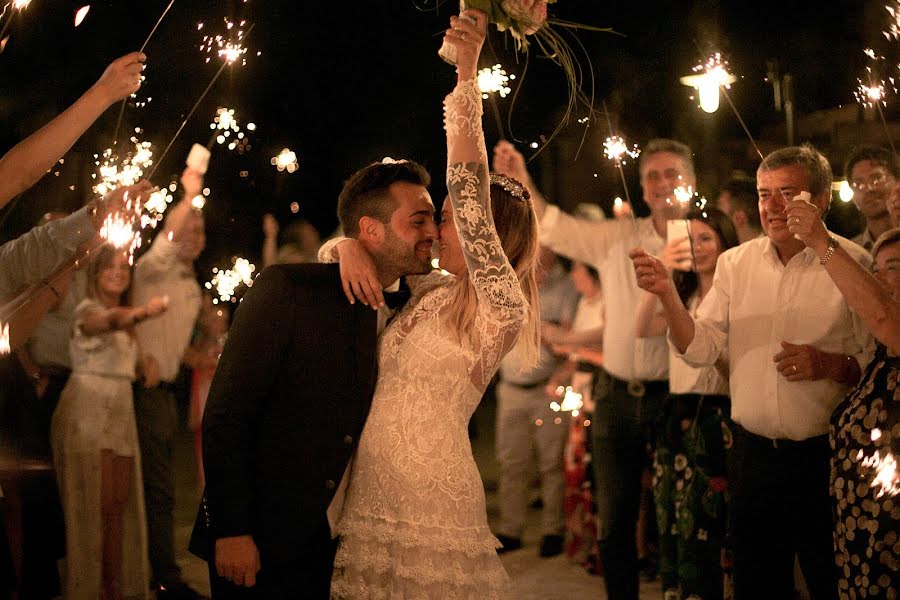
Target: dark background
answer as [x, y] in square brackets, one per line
[344, 84]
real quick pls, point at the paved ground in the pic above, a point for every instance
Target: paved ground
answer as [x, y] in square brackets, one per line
[533, 578]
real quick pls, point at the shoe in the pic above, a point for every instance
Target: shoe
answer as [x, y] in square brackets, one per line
[551, 545]
[179, 591]
[509, 544]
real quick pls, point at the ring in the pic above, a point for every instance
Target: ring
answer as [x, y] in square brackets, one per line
[462, 36]
[795, 368]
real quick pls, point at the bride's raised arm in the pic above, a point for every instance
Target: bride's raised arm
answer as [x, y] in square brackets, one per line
[468, 180]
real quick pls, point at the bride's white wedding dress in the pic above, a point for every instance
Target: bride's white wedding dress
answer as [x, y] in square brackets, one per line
[414, 523]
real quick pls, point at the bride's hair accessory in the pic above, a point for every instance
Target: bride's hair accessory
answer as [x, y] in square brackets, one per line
[511, 187]
[387, 160]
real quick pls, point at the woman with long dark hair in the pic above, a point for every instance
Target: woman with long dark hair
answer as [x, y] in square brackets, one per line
[689, 482]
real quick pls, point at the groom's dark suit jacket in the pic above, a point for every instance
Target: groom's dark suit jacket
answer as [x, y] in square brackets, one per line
[287, 405]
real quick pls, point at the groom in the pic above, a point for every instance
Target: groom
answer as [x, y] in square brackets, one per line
[291, 394]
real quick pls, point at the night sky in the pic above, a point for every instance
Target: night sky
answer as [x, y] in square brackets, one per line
[344, 84]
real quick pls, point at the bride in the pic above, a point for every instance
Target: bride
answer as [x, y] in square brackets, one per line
[414, 523]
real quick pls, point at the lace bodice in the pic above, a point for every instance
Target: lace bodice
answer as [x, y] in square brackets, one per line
[111, 354]
[415, 508]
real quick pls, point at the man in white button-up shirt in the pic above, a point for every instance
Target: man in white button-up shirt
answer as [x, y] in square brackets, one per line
[623, 420]
[795, 348]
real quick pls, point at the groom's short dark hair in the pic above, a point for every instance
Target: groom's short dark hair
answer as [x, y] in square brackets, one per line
[365, 194]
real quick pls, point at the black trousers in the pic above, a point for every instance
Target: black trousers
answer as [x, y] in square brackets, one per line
[781, 508]
[622, 427]
[156, 414]
[308, 577]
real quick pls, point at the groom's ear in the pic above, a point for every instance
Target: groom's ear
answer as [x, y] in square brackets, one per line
[371, 230]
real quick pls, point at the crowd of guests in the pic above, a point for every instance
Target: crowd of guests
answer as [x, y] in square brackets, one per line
[752, 363]
[736, 383]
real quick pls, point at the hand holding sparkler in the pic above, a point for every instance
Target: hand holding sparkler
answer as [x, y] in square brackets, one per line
[121, 78]
[652, 274]
[805, 222]
[156, 306]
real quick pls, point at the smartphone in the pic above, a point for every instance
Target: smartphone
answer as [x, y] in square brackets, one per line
[198, 159]
[681, 228]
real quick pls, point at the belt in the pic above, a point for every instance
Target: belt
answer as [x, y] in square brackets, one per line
[782, 443]
[638, 389]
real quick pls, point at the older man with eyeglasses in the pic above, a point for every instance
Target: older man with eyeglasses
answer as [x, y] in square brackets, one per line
[872, 172]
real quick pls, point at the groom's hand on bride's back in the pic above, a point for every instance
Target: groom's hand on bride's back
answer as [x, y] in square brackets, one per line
[237, 560]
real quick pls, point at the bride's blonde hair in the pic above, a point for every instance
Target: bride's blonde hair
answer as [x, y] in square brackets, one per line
[517, 227]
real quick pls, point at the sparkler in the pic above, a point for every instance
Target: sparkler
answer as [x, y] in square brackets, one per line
[617, 150]
[285, 160]
[118, 228]
[614, 148]
[143, 46]
[887, 477]
[81, 13]
[226, 61]
[18, 5]
[875, 93]
[708, 78]
[571, 401]
[114, 173]
[225, 126]
[494, 80]
[227, 49]
[893, 30]
[226, 281]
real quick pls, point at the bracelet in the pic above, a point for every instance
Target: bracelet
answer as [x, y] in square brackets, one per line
[52, 289]
[829, 252]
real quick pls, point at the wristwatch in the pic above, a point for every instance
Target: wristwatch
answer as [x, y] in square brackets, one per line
[829, 252]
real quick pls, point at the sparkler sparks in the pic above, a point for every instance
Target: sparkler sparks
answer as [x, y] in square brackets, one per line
[229, 47]
[709, 77]
[494, 80]
[893, 30]
[226, 129]
[870, 95]
[286, 160]
[81, 13]
[4, 339]
[572, 401]
[118, 227]
[887, 478]
[113, 173]
[226, 281]
[618, 151]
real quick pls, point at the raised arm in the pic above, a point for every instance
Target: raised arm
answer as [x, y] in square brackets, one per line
[865, 295]
[468, 180]
[653, 277]
[30, 159]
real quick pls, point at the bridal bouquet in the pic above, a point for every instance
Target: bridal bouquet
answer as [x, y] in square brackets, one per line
[525, 19]
[520, 17]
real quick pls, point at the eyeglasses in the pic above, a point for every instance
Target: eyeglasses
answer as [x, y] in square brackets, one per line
[875, 181]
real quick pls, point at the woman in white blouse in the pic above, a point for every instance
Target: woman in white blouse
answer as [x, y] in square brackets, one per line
[94, 441]
[692, 437]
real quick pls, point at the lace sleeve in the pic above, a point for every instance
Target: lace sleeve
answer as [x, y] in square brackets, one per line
[501, 303]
